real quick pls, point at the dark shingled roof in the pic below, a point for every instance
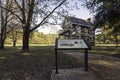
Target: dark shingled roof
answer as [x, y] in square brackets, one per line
[80, 22]
[65, 33]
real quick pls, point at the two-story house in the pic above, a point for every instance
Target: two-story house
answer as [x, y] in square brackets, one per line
[75, 28]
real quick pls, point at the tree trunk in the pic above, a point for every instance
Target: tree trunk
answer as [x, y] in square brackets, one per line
[116, 39]
[14, 38]
[3, 36]
[25, 47]
[99, 39]
[14, 43]
[104, 39]
[2, 44]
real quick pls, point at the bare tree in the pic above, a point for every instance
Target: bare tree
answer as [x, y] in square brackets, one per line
[28, 11]
[5, 18]
[33, 14]
[15, 30]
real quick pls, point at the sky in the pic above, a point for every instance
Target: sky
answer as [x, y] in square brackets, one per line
[82, 13]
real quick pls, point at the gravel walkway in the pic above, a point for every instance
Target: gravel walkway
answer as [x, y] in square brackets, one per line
[106, 67]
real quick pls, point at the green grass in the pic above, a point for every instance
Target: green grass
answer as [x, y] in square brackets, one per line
[109, 45]
[31, 44]
[105, 49]
[37, 66]
[41, 62]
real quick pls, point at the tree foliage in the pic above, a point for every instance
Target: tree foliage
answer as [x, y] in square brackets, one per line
[107, 12]
[36, 38]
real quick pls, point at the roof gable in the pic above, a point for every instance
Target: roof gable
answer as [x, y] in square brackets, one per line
[80, 22]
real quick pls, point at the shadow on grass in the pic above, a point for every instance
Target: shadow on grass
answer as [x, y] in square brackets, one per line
[105, 50]
[106, 69]
[37, 66]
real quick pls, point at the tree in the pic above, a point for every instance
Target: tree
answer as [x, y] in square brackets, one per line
[5, 17]
[35, 13]
[16, 33]
[107, 13]
[28, 11]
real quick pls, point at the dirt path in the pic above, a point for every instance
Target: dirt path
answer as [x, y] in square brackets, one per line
[106, 67]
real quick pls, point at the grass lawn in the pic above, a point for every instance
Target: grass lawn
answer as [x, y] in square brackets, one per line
[108, 50]
[37, 66]
[106, 45]
[105, 49]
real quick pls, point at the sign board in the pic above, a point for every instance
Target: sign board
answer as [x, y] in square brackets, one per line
[71, 44]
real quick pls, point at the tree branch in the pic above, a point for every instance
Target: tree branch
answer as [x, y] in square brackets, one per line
[18, 5]
[47, 16]
[30, 12]
[12, 13]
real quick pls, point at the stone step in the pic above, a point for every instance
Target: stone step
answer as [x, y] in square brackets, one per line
[73, 74]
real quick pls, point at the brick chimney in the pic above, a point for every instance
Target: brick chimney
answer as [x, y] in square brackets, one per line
[89, 20]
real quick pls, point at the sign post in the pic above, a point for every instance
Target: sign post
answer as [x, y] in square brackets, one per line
[71, 44]
[86, 59]
[56, 61]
